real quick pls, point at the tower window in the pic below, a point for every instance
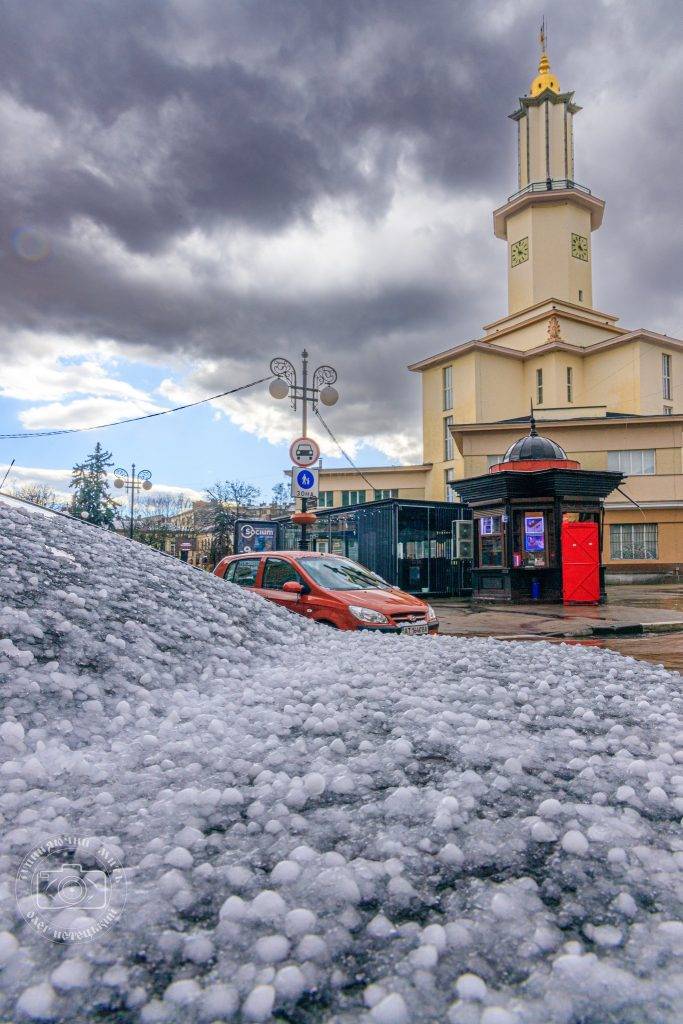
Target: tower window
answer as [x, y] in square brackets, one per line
[447, 387]
[580, 295]
[666, 376]
[570, 384]
[449, 477]
[447, 439]
[539, 387]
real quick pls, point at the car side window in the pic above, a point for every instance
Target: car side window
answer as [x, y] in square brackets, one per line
[229, 573]
[278, 572]
[245, 571]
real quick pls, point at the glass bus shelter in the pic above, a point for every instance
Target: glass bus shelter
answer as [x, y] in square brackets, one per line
[408, 543]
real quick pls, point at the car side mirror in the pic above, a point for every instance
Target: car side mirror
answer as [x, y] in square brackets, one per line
[292, 587]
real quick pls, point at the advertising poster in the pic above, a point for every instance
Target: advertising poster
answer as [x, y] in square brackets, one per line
[534, 525]
[256, 537]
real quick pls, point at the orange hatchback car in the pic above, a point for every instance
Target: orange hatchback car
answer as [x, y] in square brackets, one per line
[331, 590]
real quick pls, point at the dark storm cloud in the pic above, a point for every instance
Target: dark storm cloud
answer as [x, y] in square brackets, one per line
[155, 119]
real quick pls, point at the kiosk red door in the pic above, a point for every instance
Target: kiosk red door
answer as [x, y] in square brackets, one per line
[580, 563]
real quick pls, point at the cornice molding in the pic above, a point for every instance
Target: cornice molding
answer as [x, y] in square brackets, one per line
[577, 424]
[557, 196]
[548, 94]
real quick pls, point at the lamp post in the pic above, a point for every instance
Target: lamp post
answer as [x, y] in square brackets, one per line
[285, 384]
[133, 483]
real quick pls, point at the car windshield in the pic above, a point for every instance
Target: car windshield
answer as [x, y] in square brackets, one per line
[342, 574]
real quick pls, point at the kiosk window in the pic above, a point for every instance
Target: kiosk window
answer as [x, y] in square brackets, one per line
[491, 541]
[533, 540]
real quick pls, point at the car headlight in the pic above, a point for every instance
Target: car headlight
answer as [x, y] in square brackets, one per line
[431, 614]
[366, 614]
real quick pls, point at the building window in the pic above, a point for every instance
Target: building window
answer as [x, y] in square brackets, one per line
[539, 387]
[447, 439]
[580, 295]
[493, 460]
[666, 376]
[386, 493]
[634, 541]
[668, 410]
[325, 499]
[450, 493]
[638, 462]
[447, 387]
[570, 384]
[353, 497]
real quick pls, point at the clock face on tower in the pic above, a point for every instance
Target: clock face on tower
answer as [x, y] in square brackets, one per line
[519, 252]
[580, 247]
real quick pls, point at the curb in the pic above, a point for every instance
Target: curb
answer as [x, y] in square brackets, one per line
[627, 629]
[638, 628]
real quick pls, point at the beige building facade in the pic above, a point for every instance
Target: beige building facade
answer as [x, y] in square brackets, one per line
[342, 487]
[610, 395]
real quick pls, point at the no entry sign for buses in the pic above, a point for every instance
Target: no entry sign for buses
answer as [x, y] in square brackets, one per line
[304, 452]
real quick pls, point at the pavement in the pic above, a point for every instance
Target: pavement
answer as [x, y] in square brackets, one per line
[630, 610]
[644, 621]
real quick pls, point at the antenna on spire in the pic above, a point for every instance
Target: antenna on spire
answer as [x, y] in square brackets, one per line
[543, 36]
[532, 420]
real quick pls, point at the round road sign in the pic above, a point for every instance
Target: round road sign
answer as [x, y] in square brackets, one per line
[304, 452]
[305, 480]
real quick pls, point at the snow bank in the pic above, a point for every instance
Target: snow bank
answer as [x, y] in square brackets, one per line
[320, 826]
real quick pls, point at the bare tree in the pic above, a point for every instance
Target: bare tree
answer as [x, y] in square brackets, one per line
[39, 494]
[281, 499]
[230, 499]
[157, 515]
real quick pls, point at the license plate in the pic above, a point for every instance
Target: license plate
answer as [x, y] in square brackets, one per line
[414, 629]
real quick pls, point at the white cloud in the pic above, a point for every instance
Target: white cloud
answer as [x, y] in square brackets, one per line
[48, 367]
[277, 423]
[59, 479]
[84, 412]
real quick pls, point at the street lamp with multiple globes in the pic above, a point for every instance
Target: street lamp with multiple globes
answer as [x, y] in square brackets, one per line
[132, 483]
[285, 384]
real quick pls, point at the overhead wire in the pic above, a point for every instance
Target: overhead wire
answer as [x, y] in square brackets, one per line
[344, 453]
[2, 482]
[132, 419]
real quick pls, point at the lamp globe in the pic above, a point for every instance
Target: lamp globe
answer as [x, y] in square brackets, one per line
[329, 395]
[278, 388]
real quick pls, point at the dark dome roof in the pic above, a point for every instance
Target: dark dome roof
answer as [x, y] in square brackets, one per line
[534, 447]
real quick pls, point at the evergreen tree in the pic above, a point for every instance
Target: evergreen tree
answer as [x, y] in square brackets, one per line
[91, 499]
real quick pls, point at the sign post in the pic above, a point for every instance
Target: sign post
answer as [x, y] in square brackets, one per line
[304, 452]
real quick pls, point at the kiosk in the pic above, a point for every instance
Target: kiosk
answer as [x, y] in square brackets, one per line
[538, 525]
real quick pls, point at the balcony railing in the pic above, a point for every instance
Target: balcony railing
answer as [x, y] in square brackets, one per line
[550, 185]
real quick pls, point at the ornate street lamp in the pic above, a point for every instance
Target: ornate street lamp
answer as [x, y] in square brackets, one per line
[283, 384]
[132, 483]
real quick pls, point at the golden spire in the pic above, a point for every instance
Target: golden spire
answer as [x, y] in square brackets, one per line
[545, 79]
